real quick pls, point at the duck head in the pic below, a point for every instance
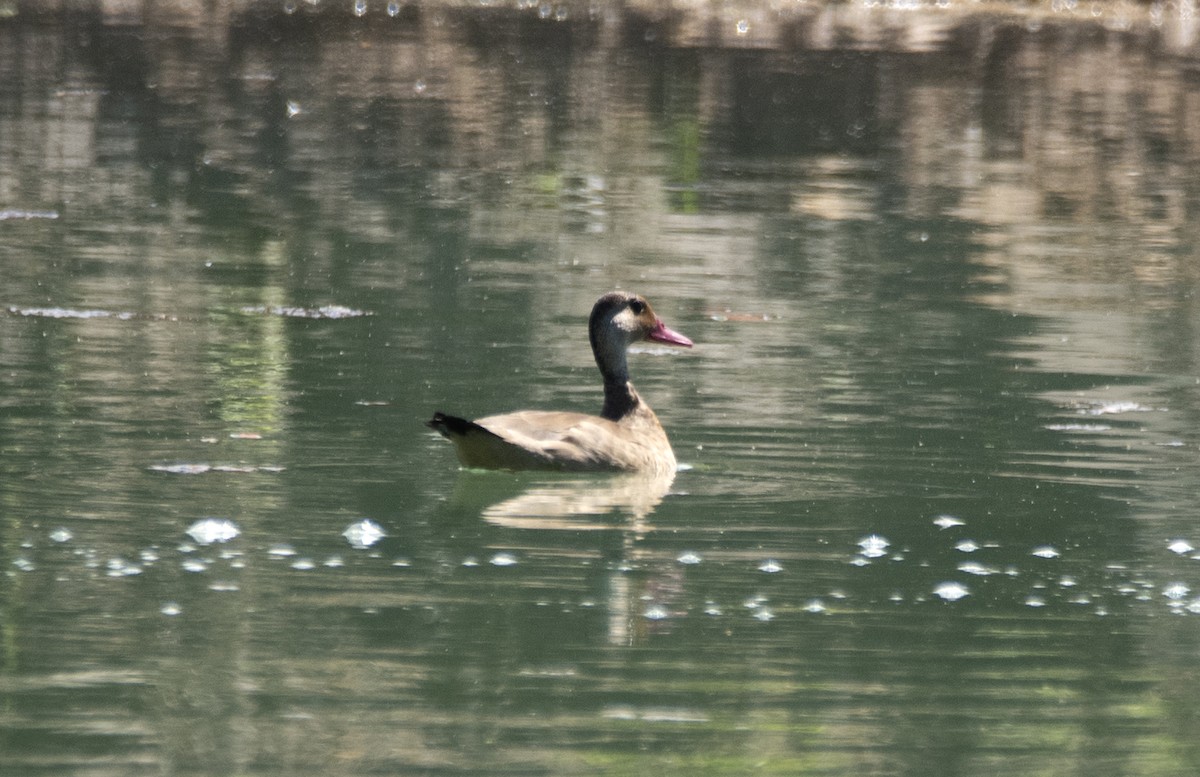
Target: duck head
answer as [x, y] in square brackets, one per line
[620, 319]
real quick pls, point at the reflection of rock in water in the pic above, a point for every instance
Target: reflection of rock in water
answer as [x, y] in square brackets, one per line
[569, 503]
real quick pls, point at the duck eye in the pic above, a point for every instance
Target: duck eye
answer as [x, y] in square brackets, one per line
[637, 306]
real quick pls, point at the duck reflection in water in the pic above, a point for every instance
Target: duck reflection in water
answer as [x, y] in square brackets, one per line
[580, 504]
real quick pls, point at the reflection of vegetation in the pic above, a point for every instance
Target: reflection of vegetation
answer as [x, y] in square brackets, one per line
[247, 374]
[248, 357]
[683, 131]
[11, 592]
[686, 170]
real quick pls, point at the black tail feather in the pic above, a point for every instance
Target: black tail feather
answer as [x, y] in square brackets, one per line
[447, 425]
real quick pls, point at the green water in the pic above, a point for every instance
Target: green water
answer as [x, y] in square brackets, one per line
[938, 434]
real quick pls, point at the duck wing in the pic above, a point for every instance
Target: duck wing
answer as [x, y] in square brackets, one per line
[548, 440]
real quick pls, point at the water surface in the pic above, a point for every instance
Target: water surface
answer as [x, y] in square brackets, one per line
[936, 512]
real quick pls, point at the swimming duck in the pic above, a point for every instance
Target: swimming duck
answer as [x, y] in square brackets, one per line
[626, 436]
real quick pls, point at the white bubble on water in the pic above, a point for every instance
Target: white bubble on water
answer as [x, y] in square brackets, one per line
[119, 567]
[873, 545]
[1176, 591]
[1180, 546]
[951, 591]
[656, 612]
[1114, 408]
[363, 533]
[181, 469]
[209, 530]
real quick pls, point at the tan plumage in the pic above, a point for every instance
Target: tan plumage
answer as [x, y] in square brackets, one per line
[625, 436]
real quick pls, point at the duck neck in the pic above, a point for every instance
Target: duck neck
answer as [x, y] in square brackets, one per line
[620, 399]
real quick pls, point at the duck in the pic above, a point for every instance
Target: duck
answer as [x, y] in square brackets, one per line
[625, 437]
